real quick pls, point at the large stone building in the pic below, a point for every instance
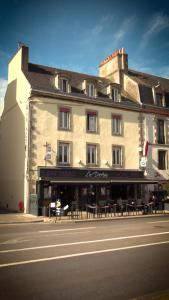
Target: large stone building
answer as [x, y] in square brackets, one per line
[80, 137]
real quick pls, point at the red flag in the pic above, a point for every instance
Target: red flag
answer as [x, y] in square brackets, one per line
[145, 151]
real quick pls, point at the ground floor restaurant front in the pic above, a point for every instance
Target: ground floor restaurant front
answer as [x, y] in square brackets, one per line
[84, 188]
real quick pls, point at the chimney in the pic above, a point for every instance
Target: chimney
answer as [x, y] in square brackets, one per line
[25, 57]
[113, 64]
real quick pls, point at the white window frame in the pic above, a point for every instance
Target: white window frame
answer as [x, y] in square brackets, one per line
[117, 156]
[61, 84]
[115, 95]
[65, 149]
[64, 119]
[91, 123]
[90, 89]
[92, 153]
[116, 125]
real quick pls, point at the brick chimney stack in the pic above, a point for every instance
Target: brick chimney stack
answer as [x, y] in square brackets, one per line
[112, 66]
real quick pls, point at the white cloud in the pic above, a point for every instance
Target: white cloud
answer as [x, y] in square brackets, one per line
[158, 23]
[3, 86]
[123, 29]
[93, 35]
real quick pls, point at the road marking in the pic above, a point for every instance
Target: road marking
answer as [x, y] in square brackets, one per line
[15, 241]
[84, 242]
[68, 229]
[80, 254]
[158, 222]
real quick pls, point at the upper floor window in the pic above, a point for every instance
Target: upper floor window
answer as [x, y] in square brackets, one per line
[63, 153]
[90, 90]
[64, 118]
[117, 156]
[160, 132]
[115, 95]
[162, 159]
[92, 153]
[116, 124]
[159, 99]
[64, 85]
[92, 121]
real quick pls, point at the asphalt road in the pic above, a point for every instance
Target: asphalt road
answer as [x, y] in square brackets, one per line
[119, 259]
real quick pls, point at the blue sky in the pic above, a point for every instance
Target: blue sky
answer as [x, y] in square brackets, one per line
[78, 35]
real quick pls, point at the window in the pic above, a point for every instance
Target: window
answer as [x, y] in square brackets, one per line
[64, 118]
[90, 90]
[116, 125]
[92, 154]
[115, 95]
[159, 99]
[117, 156]
[160, 132]
[63, 85]
[162, 160]
[63, 153]
[92, 121]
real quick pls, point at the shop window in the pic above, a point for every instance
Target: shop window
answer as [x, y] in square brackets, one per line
[162, 160]
[63, 153]
[92, 152]
[116, 125]
[92, 121]
[64, 118]
[117, 156]
[160, 132]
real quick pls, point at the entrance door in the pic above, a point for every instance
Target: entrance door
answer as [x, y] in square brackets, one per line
[66, 193]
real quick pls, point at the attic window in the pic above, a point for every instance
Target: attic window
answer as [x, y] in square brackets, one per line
[90, 90]
[115, 95]
[63, 85]
[159, 99]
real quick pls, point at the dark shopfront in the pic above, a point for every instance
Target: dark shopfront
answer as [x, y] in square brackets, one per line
[87, 186]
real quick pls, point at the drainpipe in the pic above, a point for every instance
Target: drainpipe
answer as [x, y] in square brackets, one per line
[27, 157]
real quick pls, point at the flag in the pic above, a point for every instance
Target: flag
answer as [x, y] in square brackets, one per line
[145, 149]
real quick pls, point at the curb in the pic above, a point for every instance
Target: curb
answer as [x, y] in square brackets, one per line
[54, 220]
[47, 220]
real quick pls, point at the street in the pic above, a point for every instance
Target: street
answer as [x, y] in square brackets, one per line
[118, 259]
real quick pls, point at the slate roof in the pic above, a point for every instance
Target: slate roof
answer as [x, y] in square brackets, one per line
[42, 78]
[149, 80]
[146, 82]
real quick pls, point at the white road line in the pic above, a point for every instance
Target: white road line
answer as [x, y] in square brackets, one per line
[85, 242]
[158, 222]
[68, 229]
[80, 254]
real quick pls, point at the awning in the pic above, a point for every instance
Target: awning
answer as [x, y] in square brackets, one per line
[110, 181]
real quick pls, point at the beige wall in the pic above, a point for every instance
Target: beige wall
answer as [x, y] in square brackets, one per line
[12, 136]
[131, 89]
[45, 129]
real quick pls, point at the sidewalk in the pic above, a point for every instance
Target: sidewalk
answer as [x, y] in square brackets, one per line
[16, 218]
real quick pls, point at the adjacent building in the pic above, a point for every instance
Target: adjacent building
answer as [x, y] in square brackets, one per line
[81, 138]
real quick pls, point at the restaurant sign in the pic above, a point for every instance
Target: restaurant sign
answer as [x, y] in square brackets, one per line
[73, 173]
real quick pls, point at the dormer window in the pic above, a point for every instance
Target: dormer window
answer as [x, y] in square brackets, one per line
[159, 99]
[63, 85]
[115, 95]
[113, 92]
[90, 90]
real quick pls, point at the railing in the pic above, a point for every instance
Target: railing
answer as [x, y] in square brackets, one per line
[93, 211]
